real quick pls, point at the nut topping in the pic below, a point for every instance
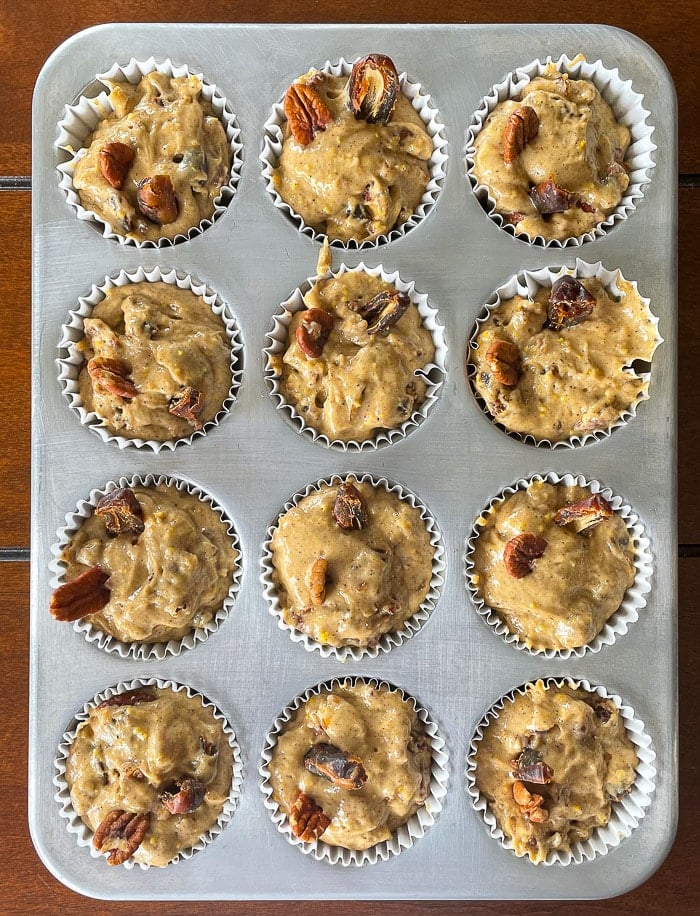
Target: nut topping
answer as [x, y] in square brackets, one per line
[156, 199]
[584, 514]
[521, 552]
[547, 197]
[313, 332]
[349, 510]
[307, 820]
[129, 698]
[530, 805]
[114, 162]
[183, 796]
[121, 825]
[503, 359]
[317, 581]
[521, 127]
[188, 404]
[373, 88]
[113, 376]
[529, 767]
[344, 770]
[84, 595]
[306, 112]
[121, 512]
[570, 303]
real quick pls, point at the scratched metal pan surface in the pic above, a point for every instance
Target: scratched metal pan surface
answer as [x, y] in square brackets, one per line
[254, 461]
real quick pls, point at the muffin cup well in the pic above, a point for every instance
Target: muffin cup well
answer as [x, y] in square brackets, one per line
[526, 284]
[81, 118]
[388, 640]
[628, 109]
[138, 650]
[73, 332]
[633, 601]
[626, 814]
[409, 832]
[433, 374]
[81, 830]
[422, 103]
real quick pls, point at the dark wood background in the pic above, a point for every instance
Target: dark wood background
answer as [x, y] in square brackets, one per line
[29, 32]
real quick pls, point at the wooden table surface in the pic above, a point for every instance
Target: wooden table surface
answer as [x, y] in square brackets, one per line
[29, 32]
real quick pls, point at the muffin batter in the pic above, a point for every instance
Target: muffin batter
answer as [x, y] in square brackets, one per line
[171, 132]
[363, 382]
[376, 575]
[566, 747]
[386, 740]
[131, 757]
[166, 341]
[576, 584]
[571, 380]
[579, 147]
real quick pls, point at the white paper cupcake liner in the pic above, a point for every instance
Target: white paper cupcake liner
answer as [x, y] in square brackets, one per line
[422, 103]
[526, 284]
[81, 831]
[73, 332]
[388, 640]
[139, 650]
[433, 373]
[628, 109]
[409, 832]
[81, 119]
[634, 599]
[626, 814]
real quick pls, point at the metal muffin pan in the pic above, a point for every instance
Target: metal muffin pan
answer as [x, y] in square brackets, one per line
[254, 461]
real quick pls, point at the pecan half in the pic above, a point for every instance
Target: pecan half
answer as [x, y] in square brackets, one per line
[313, 332]
[114, 161]
[183, 796]
[547, 197]
[121, 512]
[373, 88]
[306, 112]
[86, 594]
[521, 127]
[570, 303]
[156, 199]
[121, 825]
[317, 581]
[521, 552]
[584, 514]
[349, 509]
[328, 761]
[503, 359]
[530, 805]
[188, 404]
[113, 376]
[129, 698]
[529, 767]
[306, 818]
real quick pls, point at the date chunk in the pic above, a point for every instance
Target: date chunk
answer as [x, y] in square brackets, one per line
[349, 510]
[156, 199]
[307, 820]
[188, 404]
[129, 698]
[121, 512]
[373, 88]
[584, 514]
[344, 770]
[521, 552]
[184, 796]
[570, 303]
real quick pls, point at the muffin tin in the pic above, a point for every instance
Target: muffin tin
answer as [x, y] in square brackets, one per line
[457, 460]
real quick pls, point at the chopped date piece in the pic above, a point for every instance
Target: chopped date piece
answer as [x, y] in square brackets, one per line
[521, 127]
[503, 359]
[210, 749]
[387, 311]
[113, 376]
[349, 509]
[114, 161]
[188, 404]
[513, 218]
[373, 88]
[129, 698]
[121, 512]
[121, 825]
[84, 595]
[521, 552]
[184, 796]
[547, 198]
[529, 767]
[570, 303]
[584, 514]
[306, 818]
[604, 711]
[313, 332]
[344, 770]
[306, 112]
[156, 199]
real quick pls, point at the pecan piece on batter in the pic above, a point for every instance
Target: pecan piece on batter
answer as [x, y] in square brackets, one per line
[349, 509]
[529, 767]
[328, 761]
[84, 595]
[570, 303]
[156, 199]
[313, 332]
[521, 552]
[521, 127]
[306, 112]
[584, 514]
[530, 805]
[547, 198]
[114, 161]
[122, 825]
[121, 512]
[317, 581]
[503, 359]
[113, 376]
[183, 796]
[188, 404]
[129, 698]
[307, 820]
[373, 88]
